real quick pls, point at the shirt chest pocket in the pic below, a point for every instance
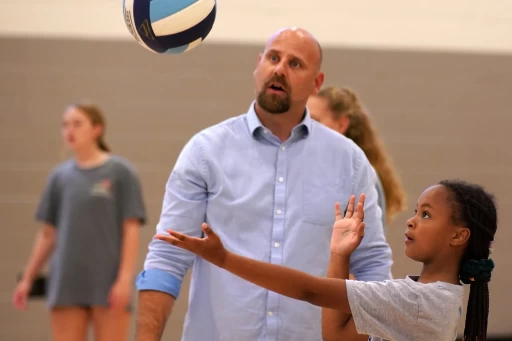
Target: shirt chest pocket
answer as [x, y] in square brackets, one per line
[319, 196]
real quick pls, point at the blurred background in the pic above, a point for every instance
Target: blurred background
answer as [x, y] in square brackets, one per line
[435, 77]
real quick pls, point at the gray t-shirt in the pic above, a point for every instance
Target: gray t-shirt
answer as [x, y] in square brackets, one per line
[403, 309]
[88, 208]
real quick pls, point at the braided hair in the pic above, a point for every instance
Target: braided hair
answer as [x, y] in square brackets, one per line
[475, 208]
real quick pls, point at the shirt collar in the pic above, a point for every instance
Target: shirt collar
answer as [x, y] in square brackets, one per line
[254, 124]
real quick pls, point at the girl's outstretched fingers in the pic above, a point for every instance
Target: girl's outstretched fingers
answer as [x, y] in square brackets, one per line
[360, 204]
[360, 230]
[177, 235]
[337, 211]
[350, 207]
[207, 229]
[174, 238]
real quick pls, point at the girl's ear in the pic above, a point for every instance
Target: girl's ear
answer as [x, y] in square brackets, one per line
[461, 236]
[343, 124]
[98, 130]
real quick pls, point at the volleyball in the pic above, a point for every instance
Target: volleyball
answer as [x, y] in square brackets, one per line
[169, 26]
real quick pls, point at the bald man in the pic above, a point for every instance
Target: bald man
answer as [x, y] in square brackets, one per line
[266, 182]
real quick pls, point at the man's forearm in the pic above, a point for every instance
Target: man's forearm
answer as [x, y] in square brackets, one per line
[153, 311]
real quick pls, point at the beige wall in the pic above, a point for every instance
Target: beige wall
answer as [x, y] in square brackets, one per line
[455, 25]
[447, 111]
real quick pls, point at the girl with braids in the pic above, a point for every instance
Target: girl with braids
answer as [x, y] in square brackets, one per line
[340, 110]
[450, 234]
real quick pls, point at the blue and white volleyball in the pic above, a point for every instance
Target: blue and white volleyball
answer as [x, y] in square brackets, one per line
[169, 26]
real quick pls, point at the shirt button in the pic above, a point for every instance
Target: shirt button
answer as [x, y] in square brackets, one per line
[279, 211]
[281, 179]
[276, 244]
[283, 148]
[270, 313]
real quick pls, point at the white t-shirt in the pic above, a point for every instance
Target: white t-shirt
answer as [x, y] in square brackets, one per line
[403, 309]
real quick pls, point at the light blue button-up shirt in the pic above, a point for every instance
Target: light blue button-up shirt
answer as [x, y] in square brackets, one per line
[268, 200]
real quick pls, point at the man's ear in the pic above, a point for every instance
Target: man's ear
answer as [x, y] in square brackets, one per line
[258, 60]
[319, 81]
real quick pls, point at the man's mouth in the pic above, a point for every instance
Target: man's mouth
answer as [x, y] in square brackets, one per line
[276, 87]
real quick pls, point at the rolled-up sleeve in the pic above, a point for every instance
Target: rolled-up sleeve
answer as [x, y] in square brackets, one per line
[183, 210]
[372, 260]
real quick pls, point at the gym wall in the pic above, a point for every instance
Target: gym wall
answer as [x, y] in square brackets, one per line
[460, 25]
[435, 78]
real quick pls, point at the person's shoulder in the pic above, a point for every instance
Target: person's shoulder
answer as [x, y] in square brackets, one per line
[443, 290]
[222, 132]
[229, 125]
[336, 143]
[400, 282]
[436, 290]
[395, 282]
[59, 173]
[121, 164]
[445, 299]
[331, 137]
[63, 167]
[393, 288]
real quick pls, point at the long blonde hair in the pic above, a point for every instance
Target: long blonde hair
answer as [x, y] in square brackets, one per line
[345, 102]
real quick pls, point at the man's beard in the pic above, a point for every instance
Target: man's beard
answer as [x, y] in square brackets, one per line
[274, 103]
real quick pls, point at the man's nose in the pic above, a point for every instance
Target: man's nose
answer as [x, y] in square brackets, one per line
[280, 68]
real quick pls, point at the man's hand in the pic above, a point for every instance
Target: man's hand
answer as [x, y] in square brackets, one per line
[209, 248]
[348, 231]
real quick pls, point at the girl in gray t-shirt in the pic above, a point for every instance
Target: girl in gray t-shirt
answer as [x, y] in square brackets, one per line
[450, 233]
[91, 210]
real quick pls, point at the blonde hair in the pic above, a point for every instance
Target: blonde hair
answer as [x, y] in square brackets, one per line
[95, 114]
[345, 102]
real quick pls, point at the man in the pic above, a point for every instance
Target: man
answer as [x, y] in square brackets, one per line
[266, 182]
